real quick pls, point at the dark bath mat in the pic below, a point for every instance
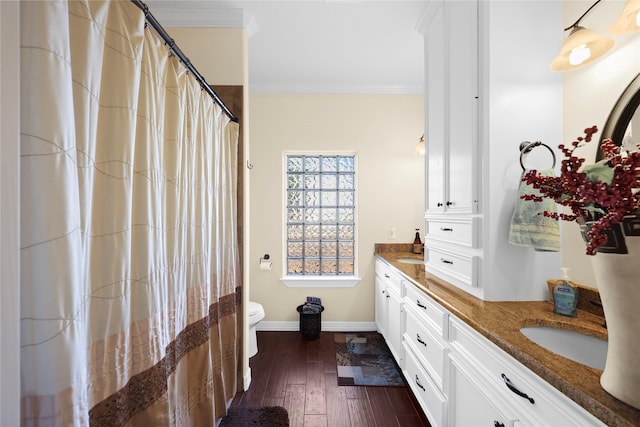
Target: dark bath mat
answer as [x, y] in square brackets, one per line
[364, 359]
[264, 416]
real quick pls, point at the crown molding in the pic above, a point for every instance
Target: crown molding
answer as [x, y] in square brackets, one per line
[193, 17]
[333, 89]
[428, 15]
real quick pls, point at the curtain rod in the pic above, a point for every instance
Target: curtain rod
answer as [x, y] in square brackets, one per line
[175, 49]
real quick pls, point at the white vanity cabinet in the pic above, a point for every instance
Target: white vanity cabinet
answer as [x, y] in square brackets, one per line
[388, 304]
[488, 88]
[458, 376]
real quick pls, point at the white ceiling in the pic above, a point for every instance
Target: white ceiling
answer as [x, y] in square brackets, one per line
[317, 46]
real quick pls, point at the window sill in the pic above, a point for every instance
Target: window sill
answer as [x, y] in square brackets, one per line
[320, 282]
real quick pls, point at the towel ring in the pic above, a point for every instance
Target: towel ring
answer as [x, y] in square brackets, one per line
[527, 146]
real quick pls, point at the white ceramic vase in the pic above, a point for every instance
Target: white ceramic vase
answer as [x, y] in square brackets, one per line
[618, 279]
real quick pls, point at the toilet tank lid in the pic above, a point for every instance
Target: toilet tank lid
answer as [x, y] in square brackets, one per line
[254, 308]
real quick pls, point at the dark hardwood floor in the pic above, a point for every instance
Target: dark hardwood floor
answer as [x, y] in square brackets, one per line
[300, 375]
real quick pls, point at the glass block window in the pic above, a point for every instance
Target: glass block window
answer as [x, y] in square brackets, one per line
[320, 214]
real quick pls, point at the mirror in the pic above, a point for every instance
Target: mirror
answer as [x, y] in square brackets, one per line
[623, 124]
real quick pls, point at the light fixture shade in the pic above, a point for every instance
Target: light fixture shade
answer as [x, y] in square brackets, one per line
[580, 48]
[629, 19]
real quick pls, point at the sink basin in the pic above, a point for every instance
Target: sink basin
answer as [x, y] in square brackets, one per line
[585, 349]
[410, 260]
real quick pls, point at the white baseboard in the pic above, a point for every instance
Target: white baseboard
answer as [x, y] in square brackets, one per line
[276, 325]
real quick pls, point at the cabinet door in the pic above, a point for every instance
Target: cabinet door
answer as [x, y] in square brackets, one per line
[435, 106]
[472, 402]
[451, 70]
[394, 323]
[462, 106]
[381, 306]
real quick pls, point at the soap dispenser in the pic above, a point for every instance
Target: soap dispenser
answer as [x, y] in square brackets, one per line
[417, 243]
[565, 296]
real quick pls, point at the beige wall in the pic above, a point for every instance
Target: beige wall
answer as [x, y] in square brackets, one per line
[219, 54]
[383, 130]
[589, 94]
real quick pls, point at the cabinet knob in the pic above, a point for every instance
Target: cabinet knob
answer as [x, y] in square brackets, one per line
[450, 203]
[439, 204]
[497, 424]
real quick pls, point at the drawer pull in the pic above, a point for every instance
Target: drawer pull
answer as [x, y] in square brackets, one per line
[420, 385]
[446, 229]
[420, 340]
[511, 387]
[446, 261]
[498, 424]
[420, 304]
[387, 276]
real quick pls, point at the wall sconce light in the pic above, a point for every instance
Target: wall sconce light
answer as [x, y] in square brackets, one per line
[629, 20]
[584, 45]
[420, 147]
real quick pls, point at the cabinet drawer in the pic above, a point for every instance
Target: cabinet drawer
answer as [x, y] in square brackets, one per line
[435, 317]
[389, 275]
[543, 404]
[454, 266]
[431, 400]
[429, 349]
[460, 231]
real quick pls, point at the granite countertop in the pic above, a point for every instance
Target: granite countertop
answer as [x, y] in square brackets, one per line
[500, 322]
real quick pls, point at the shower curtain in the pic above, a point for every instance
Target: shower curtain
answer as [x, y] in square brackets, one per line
[129, 264]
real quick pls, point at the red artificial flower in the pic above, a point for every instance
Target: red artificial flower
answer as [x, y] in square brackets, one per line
[603, 192]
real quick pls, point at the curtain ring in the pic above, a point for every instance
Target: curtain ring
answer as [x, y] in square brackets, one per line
[527, 146]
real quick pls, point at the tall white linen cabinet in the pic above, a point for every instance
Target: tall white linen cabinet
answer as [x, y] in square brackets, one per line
[488, 88]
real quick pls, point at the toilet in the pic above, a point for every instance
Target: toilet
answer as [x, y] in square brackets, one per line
[255, 314]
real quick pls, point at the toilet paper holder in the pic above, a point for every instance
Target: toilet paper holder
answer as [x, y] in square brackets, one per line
[265, 264]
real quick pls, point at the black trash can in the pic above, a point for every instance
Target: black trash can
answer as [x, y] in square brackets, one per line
[310, 323]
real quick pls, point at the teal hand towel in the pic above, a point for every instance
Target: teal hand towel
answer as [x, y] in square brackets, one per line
[529, 227]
